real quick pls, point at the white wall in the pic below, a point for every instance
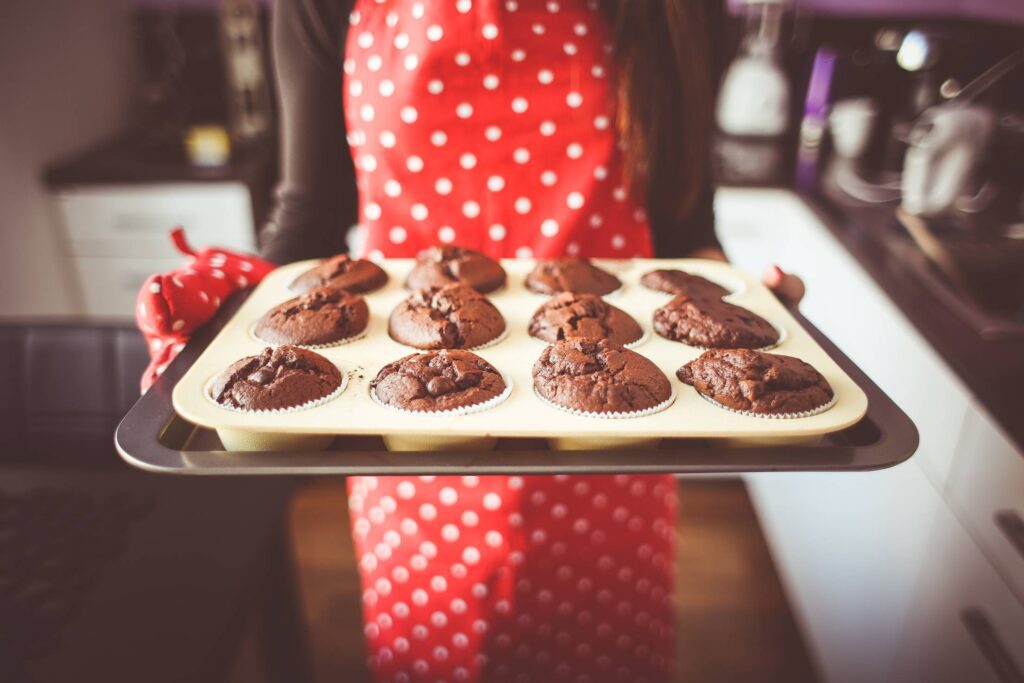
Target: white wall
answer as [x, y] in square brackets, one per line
[66, 82]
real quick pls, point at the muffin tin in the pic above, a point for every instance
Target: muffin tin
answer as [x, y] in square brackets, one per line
[353, 413]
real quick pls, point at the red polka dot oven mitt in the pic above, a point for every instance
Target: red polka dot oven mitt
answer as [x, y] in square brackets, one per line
[171, 306]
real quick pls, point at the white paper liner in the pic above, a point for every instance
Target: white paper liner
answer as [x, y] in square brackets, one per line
[609, 416]
[735, 286]
[278, 411]
[778, 342]
[339, 342]
[451, 412]
[776, 416]
[631, 345]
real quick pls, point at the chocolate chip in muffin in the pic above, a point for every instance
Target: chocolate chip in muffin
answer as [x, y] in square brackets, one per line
[681, 282]
[596, 376]
[437, 380]
[571, 275]
[440, 266]
[355, 275]
[322, 316]
[455, 316]
[570, 315]
[713, 323]
[284, 377]
[757, 382]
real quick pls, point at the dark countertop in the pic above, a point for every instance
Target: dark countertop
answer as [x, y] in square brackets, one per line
[132, 159]
[992, 370]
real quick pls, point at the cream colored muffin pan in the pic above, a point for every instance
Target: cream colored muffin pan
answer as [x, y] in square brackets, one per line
[522, 414]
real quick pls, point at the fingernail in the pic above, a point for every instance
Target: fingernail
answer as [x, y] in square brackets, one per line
[773, 275]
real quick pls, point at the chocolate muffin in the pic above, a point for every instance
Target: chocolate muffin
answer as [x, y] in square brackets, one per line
[355, 275]
[284, 377]
[713, 323]
[455, 316]
[322, 316]
[570, 315]
[681, 282]
[437, 380]
[758, 382]
[596, 376]
[571, 275]
[440, 266]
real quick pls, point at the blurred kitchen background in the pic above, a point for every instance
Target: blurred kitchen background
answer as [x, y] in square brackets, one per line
[872, 147]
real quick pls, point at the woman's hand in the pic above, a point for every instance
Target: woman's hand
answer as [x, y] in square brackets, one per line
[788, 287]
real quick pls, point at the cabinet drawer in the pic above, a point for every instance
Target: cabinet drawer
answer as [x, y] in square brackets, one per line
[987, 488]
[109, 286]
[965, 624]
[134, 221]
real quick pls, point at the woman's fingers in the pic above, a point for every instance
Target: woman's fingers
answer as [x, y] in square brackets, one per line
[786, 286]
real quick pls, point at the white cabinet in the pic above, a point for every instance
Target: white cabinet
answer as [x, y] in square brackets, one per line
[965, 624]
[881, 568]
[987, 490]
[117, 235]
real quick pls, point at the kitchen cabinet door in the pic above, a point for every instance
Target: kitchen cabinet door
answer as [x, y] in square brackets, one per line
[134, 221]
[965, 624]
[987, 492]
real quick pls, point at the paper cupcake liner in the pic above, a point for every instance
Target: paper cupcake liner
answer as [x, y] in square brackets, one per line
[609, 416]
[339, 342]
[775, 416]
[778, 342]
[643, 337]
[486, 345]
[631, 345]
[278, 411]
[451, 412]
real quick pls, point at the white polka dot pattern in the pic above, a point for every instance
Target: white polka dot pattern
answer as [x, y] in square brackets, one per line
[440, 97]
[517, 578]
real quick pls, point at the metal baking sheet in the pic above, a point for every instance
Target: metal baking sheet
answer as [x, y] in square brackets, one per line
[523, 414]
[153, 437]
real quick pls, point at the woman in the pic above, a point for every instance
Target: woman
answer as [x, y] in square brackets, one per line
[519, 128]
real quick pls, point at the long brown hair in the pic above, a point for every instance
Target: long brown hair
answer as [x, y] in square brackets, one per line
[664, 101]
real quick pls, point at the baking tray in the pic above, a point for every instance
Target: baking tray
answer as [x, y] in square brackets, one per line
[155, 437]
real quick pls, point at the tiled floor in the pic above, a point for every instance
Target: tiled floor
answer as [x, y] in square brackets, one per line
[734, 623]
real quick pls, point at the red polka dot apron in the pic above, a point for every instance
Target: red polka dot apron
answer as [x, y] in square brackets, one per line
[490, 125]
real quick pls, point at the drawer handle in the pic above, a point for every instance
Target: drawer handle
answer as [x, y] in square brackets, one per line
[988, 641]
[1012, 526]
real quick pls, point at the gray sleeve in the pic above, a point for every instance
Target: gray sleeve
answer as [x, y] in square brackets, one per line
[316, 198]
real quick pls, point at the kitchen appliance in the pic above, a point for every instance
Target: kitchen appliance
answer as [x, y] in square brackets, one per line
[248, 92]
[950, 142]
[752, 110]
[754, 96]
[203, 63]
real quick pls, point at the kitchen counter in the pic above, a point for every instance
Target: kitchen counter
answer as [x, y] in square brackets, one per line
[993, 371]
